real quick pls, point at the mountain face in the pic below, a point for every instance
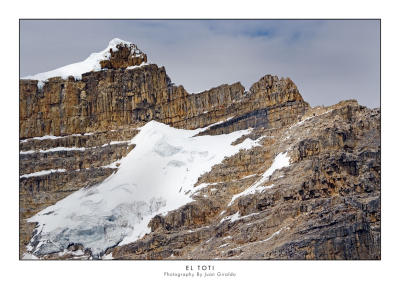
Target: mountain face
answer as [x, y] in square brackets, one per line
[118, 162]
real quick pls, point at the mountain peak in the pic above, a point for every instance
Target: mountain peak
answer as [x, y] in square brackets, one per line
[118, 54]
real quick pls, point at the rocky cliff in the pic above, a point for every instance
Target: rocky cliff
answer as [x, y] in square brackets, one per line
[109, 99]
[307, 188]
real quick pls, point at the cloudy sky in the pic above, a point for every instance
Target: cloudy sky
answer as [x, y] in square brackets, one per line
[329, 60]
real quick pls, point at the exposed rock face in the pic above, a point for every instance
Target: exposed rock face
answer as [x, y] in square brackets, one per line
[324, 205]
[123, 57]
[106, 100]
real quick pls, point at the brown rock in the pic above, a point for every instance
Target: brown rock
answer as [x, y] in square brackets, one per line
[123, 57]
[325, 205]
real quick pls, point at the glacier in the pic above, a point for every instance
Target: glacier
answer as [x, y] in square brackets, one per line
[157, 176]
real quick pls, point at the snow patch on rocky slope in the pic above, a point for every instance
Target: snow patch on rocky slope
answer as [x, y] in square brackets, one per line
[281, 160]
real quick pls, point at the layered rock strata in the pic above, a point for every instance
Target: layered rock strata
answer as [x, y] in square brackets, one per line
[105, 100]
[324, 205]
[52, 168]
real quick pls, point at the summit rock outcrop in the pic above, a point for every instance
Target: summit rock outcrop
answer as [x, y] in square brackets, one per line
[123, 56]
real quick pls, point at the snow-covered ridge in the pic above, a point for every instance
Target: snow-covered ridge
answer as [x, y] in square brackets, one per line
[42, 173]
[45, 137]
[157, 176]
[92, 63]
[56, 149]
[61, 149]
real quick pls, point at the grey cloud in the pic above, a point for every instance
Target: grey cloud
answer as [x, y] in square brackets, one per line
[328, 60]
